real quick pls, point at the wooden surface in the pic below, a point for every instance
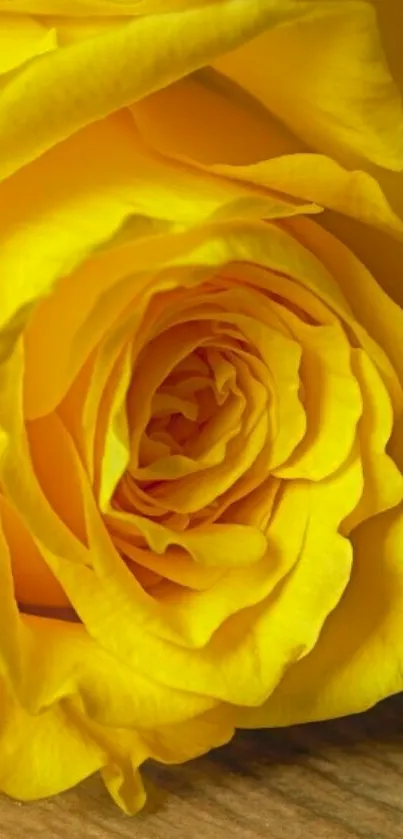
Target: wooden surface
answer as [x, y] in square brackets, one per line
[331, 780]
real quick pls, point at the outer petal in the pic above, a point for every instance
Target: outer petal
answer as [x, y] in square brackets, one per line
[44, 754]
[22, 38]
[314, 177]
[61, 660]
[11, 631]
[383, 479]
[358, 659]
[118, 68]
[336, 92]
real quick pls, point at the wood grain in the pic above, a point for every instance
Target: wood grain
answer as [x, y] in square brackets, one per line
[332, 780]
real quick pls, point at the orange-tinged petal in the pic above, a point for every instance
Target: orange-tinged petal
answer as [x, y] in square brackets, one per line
[207, 118]
[254, 318]
[208, 450]
[10, 628]
[33, 582]
[245, 441]
[157, 361]
[52, 461]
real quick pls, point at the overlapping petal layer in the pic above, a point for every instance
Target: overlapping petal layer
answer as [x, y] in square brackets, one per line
[201, 467]
[295, 355]
[201, 422]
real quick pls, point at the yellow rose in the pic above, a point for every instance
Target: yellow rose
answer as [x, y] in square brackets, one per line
[201, 372]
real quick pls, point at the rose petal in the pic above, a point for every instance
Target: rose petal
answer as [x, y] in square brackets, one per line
[324, 557]
[178, 567]
[332, 401]
[22, 38]
[207, 118]
[60, 211]
[44, 754]
[336, 92]
[317, 178]
[358, 659]
[376, 315]
[96, 7]
[116, 69]
[383, 481]
[52, 461]
[20, 484]
[33, 582]
[220, 545]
